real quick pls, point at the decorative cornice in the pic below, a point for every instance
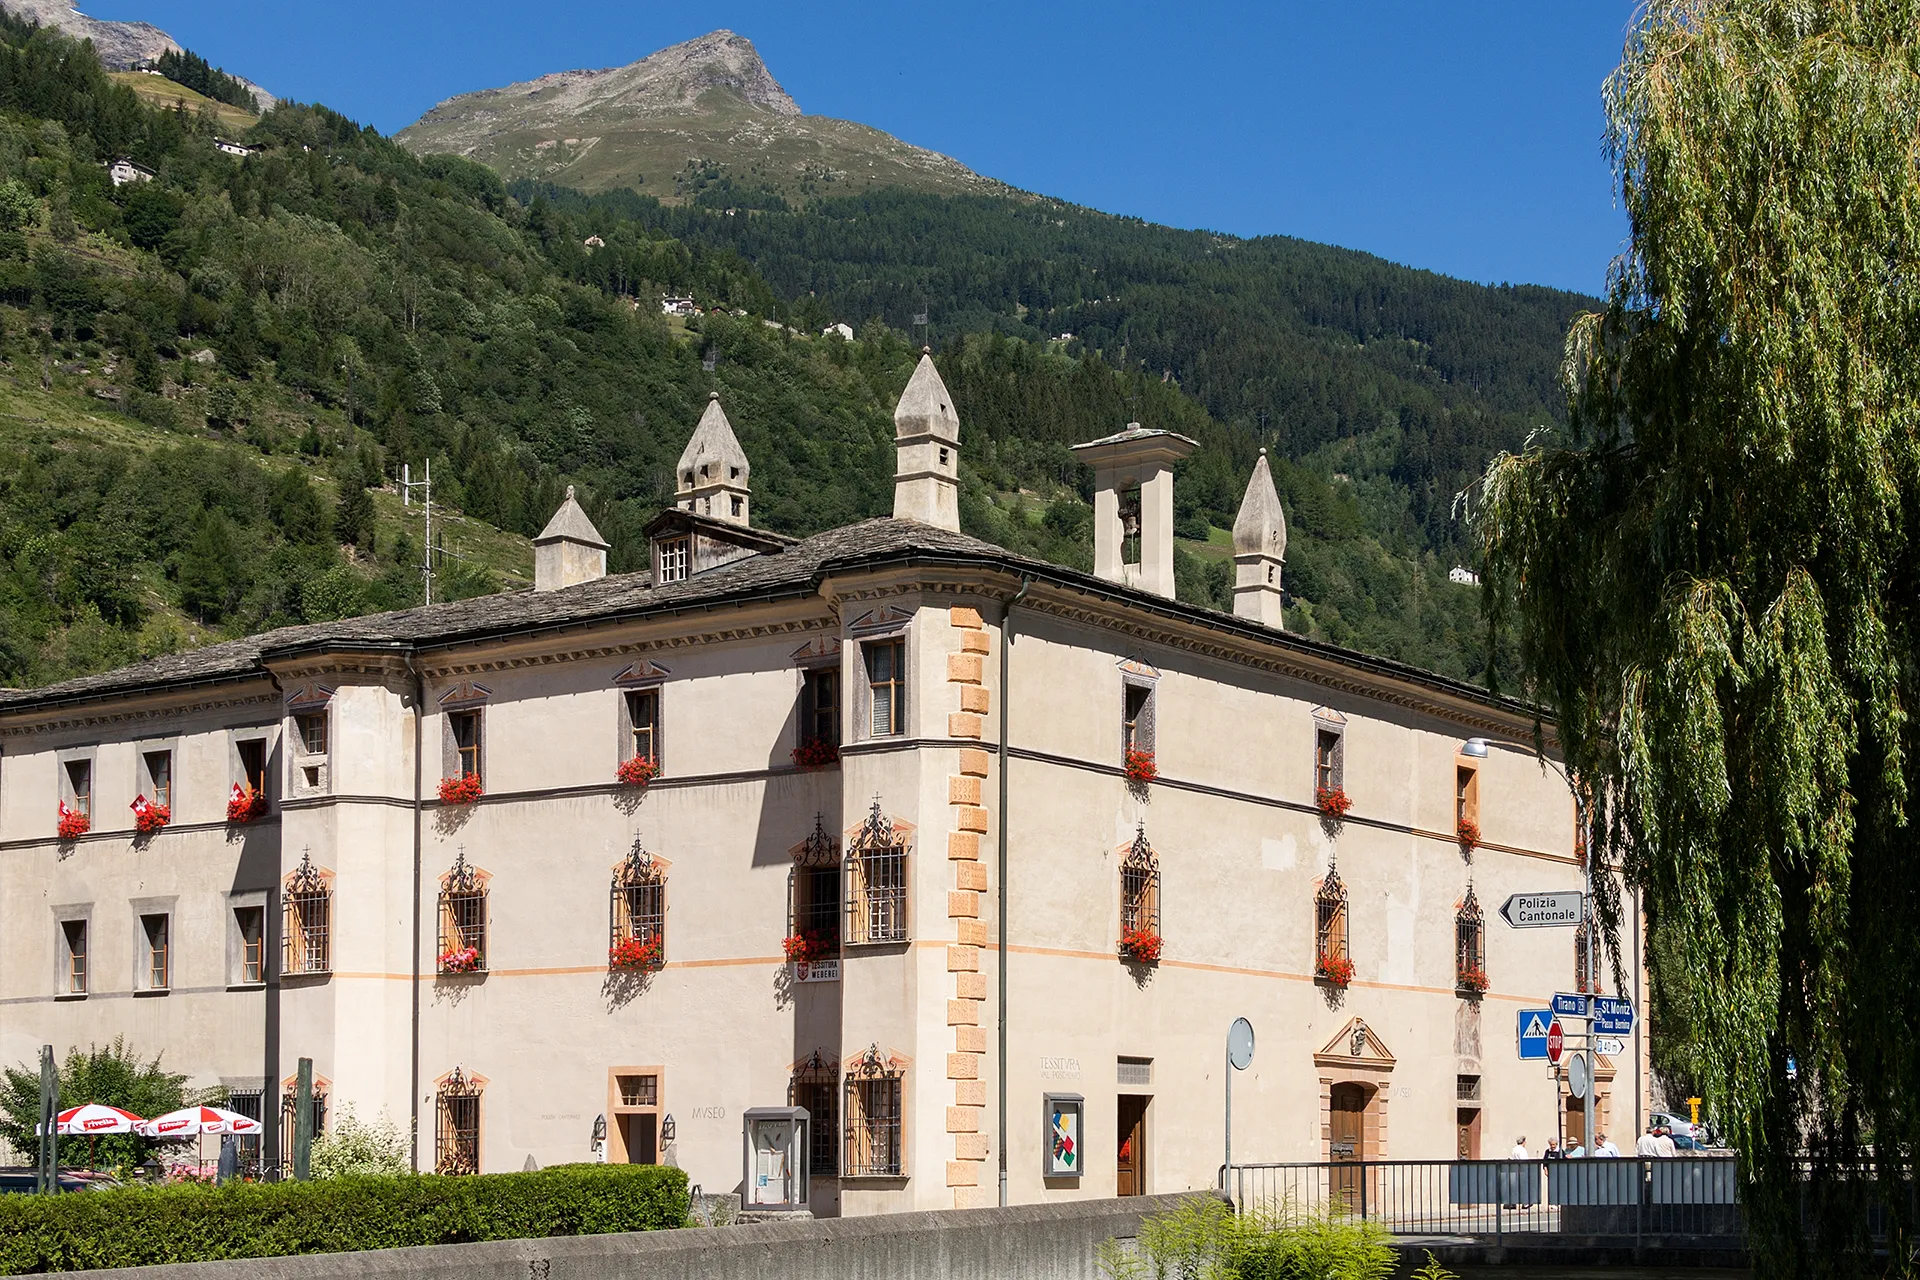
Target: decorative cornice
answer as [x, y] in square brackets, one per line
[135, 715]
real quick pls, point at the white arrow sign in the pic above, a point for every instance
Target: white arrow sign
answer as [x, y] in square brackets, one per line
[1544, 910]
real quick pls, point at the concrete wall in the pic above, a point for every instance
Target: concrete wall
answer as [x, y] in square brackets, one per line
[1033, 1242]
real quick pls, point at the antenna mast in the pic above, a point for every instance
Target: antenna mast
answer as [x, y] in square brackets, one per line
[407, 485]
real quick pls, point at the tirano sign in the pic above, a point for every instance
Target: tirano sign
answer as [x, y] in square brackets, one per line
[1544, 910]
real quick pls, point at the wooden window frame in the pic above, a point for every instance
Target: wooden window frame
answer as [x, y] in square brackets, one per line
[820, 717]
[895, 683]
[1466, 792]
[305, 721]
[157, 956]
[467, 758]
[640, 732]
[878, 884]
[676, 559]
[258, 780]
[72, 795]
[307, 910]
[75, 975]
[875, 1104]
[153, 786]
[249, 955]
[1329, 757]
[617, 1107]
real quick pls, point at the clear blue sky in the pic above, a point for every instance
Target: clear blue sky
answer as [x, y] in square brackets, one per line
[1462, 137]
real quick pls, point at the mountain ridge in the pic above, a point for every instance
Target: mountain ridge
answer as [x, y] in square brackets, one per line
[668, 121]
[120, 46]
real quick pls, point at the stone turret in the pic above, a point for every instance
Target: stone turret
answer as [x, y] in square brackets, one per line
[711, 479]
[926, 438]
[569, 550]
[1259, 549]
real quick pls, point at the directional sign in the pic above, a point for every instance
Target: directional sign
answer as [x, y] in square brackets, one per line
[1612, 1016]
[1556, 1040]
[1533, 1034]
[1544, 910]
[1569, 1006]
[1609, 1048]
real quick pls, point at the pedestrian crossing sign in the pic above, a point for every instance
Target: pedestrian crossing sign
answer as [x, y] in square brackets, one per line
[1533, 1033]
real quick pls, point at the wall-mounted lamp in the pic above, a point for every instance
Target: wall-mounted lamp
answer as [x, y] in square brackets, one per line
[1475, 747]
[599, 1132]
[668, 1130]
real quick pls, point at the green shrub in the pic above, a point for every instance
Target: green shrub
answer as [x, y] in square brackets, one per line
[1206, 1240]
[149, 1226]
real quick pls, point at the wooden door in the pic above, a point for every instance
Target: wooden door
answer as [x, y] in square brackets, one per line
[1467, 1122]
[639, 1137]
[1131, 1154]
[1348, 1142]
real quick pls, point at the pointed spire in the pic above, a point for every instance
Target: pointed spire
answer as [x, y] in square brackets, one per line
[1259, 549]
[569, 550]
[712, 476]
[926, 432]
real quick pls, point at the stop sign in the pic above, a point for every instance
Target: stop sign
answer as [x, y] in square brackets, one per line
[1555, 1039]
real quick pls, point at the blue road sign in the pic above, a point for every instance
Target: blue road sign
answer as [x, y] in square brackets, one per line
[1566, 1006]
[1533, 1033]
[1612, 1016]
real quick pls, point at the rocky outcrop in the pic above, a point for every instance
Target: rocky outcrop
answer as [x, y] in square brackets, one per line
[118, 45]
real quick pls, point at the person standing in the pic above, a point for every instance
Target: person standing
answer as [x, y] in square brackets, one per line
[1553, 1151]
[1648, 1146]
[1663, 1144]
[1520, 1148]
[1605, 1150]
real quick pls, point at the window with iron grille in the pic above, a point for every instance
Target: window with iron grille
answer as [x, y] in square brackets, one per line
[1140, 889]
[1330, 921]
[1585, 980]
[155, 931]
[876, 878]
[289, 1106]
[1467, 1088]
[463, 918]
[643, 725]
[875, 1085]
[673, 560]
[248, 1103]
[887, 686]
[1470, 943]
[815, 907]
[307, 934]
[816, 1086]
[637, 913]
[456, 1130]
[465, 728]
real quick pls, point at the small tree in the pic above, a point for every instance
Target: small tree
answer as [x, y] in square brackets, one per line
[113, 1075]
[353, 1148]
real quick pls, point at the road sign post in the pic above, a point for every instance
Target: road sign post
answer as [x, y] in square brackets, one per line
[1239, 1058]
[1569, 1006]
[1612, 1016]
[1533, 1034]
[1556, 1042]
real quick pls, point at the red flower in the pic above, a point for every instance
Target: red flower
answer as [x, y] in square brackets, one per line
[464, 789]
[1472, 979]
[637, 772]
[460, 960]
[1469, 833]
[636, 954]
[1142, 946]
[1335, 969]
[810, 946]
[1333, 802]
[1140, 766]
[245, 804]
[149, 817]
[816, 753]
[72, 824]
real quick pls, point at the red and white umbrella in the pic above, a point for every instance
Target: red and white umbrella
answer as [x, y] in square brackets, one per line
[96, 1118]
[191, 1122]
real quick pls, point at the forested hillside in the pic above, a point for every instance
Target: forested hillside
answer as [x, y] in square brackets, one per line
[208, 381]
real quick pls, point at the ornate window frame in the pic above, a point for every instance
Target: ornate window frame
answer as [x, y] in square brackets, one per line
[456, 1122]
[875, 1114]
[463, 916]
[306, 933]
[877, 884]
[637, 905]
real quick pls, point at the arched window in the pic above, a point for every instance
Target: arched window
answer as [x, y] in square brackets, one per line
[1470, 945]
[456, 1129]
[463, 918]
[815, 1086]
[308, 924]
[1140, 901]
[876, 869]
[874, 1087]
[637, 911]
[1330, 927]
[813, 905]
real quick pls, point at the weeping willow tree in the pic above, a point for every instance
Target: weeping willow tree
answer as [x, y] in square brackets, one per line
[1712, 579]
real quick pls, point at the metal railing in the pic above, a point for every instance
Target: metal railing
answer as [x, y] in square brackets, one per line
[1622, 1198]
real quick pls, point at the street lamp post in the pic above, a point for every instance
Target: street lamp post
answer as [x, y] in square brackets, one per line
[1477, 749]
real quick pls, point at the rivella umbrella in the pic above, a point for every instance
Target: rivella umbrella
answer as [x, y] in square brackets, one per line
[191, 1122]
[96, 1118]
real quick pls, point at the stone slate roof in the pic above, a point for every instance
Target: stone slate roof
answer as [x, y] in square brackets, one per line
[791, 571]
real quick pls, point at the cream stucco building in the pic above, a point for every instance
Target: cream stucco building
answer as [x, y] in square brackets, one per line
[863, 744]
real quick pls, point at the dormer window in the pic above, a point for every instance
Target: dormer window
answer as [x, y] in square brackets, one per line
[673, 560]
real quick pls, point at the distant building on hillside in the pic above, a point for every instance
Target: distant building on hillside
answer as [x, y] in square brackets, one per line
[240, 149]
[594, 242]
[1465, 576]
[123, 171]
[679, 307]
[844, 329]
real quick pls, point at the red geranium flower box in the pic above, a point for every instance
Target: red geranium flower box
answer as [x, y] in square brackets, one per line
[1140, 766]
[1472, 979]
[72, 824]
[149, 817]
[1142, 946]
[460, 960]
[637, 772]
[809, 946]
[816, 753]
[634, 954]
[464, 789]
[1335, 969]
[245, 804]
[1469, 833]
[1333, 802]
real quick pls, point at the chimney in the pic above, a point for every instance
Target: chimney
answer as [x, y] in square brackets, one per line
[569, 550]
[926, 439]
[1133, 505]
[1259, 549]
[711, 479]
